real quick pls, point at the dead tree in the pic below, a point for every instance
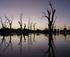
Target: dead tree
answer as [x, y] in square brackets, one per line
[20, 22]
[31, 25]
[65, 29]
[24, 25]
[4, 24]
[10, 21]
[34, 26]
[50, 17]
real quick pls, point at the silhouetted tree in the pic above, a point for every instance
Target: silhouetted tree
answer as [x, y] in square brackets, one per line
[34, 26]
[31, 25]
[4, 24]
[50, 17]
[24, 25]
[51, 22]
[10, 21]
[20, 22]
[65, 29]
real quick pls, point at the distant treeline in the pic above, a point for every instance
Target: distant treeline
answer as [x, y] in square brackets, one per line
[46, 31]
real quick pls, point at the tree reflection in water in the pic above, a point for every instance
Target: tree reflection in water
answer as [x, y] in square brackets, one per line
[20, 43]
[7, 45]
[51, 47]
[34, 38]
[3, 41]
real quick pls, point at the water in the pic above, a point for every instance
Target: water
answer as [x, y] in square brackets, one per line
[34, 45]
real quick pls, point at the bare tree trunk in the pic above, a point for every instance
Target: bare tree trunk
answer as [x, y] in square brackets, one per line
[10, 26]
[21, 27]
[50, 31]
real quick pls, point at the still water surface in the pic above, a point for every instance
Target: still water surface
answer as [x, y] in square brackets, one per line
[34, 45]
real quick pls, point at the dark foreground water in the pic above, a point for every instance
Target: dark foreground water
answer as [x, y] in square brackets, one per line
[34, 45]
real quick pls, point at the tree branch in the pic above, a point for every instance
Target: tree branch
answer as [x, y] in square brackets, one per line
[12, 19]
[49, 13]
[54, 20]
[46, 16]
[19, 22]
[51, 5]
[53, 15]
[7, 18]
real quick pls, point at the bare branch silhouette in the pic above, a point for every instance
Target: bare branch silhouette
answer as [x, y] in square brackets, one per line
[10, 21]
[31, 25]
[24, 25]
[20, 43]
[20, 22]
[34, 26]
[4, 24]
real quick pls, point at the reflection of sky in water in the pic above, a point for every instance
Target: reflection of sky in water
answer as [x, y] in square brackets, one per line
[31, 48]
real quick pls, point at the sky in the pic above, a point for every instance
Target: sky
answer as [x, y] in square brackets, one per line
[32, 9]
